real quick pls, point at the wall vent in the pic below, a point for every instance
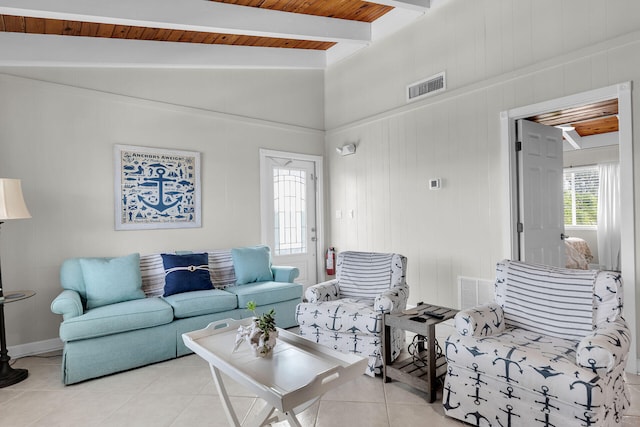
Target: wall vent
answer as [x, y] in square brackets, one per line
[426, 87]
[473, 292]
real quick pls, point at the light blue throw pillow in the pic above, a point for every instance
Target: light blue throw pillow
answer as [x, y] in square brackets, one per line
[112, 280]
[252, 264]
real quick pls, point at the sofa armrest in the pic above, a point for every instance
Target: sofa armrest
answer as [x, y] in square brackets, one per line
[283, 273]
[484, 320]
[393, 300]
[68, 304]
[605, 348]
[325, 291]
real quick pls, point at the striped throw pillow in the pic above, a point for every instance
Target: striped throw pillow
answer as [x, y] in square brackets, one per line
[363, 274]
[553, 301]
[152, 272]
[221, 268]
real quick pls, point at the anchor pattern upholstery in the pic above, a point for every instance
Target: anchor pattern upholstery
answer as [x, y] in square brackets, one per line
[499, 374]
[346, 313]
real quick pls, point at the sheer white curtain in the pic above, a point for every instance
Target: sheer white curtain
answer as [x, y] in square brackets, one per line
[609, 216]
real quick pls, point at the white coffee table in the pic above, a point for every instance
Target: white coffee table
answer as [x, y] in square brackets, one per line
[297, 373]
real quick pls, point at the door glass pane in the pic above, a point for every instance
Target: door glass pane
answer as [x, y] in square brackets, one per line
[289, 204]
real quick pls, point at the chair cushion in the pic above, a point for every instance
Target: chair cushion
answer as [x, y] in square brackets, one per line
[252, 264]
[111, 280]
[186, 273]
[265, 293]
[345, 316]
[196, 303]
[553, 301]
[363, 274]
[116, 318]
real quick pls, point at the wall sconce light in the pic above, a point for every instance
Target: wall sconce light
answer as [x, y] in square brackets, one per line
[346, 150]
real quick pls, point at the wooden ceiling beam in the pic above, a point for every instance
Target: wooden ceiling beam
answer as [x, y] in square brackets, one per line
[196, 15]
[19, 49]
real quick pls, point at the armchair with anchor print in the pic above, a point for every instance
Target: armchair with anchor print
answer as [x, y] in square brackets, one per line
[346, 313]
[550, 351]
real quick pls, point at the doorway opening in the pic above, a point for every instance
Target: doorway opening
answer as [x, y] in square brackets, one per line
[621, 92]
[292, 223]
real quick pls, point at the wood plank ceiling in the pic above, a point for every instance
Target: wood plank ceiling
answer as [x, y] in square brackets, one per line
[315, 25]
[352, 10]
[592, 119]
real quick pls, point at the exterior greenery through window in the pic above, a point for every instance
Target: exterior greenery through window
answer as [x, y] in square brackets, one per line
[581, 196]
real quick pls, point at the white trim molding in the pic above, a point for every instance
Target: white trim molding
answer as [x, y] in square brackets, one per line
[33, 348]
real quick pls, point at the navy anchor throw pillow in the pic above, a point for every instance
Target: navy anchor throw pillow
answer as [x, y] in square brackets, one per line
[185, 273]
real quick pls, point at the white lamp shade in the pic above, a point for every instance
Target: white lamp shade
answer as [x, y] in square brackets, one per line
[12, 204]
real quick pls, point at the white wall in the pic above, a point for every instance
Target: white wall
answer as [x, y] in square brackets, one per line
[498, 55]
[59, 140]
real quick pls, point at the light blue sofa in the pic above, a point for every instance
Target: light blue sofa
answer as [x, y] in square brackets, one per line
[147, 327]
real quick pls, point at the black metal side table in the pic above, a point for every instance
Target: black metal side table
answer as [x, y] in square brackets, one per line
[8, 375]
[422, 369]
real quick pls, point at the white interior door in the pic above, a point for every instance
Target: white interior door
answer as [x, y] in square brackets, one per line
[541, 208]
[289, 187]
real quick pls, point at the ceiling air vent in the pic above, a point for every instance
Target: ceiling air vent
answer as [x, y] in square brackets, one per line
[426, 87]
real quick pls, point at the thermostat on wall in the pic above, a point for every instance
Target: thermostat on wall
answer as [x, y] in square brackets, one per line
[434, 184]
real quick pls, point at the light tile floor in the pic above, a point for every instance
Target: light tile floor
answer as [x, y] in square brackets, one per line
[181, 393]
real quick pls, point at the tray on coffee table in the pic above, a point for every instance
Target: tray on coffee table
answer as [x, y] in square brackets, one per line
[297, 373]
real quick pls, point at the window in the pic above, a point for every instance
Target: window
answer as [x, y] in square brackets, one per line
[289, 189]
[581, 197]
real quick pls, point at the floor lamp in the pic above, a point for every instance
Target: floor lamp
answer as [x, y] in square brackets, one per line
[12, 206]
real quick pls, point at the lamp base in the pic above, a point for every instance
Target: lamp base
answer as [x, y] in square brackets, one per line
[10, 376]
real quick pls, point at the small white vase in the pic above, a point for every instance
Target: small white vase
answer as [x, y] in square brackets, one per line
[257, 339]
[261, 345]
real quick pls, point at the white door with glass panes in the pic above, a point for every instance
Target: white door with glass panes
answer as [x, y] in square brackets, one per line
[289, 192]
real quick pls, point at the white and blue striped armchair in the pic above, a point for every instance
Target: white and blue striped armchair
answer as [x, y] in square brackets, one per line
[346, 313]
[550, 351]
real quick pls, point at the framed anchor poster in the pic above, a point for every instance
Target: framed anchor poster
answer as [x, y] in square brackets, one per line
[156, 188]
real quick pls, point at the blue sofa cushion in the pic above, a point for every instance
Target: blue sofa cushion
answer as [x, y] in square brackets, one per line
[266, 292]
[111, 280]
[252, 264]
[186, 273]
[116, 318]
[196, 303]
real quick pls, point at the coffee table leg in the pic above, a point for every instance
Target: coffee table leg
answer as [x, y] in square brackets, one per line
[262, 418]
[224, 397]
[293, 420]
[259, 420]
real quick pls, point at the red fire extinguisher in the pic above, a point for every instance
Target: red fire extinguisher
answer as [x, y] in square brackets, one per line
[331, 261]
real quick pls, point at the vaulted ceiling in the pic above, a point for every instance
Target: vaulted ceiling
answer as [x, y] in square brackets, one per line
[197, 33]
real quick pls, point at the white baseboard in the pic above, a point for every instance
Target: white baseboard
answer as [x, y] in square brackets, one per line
[38, 347]
[55, 344]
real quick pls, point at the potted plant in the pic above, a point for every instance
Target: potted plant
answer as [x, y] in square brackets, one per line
[261, 334]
